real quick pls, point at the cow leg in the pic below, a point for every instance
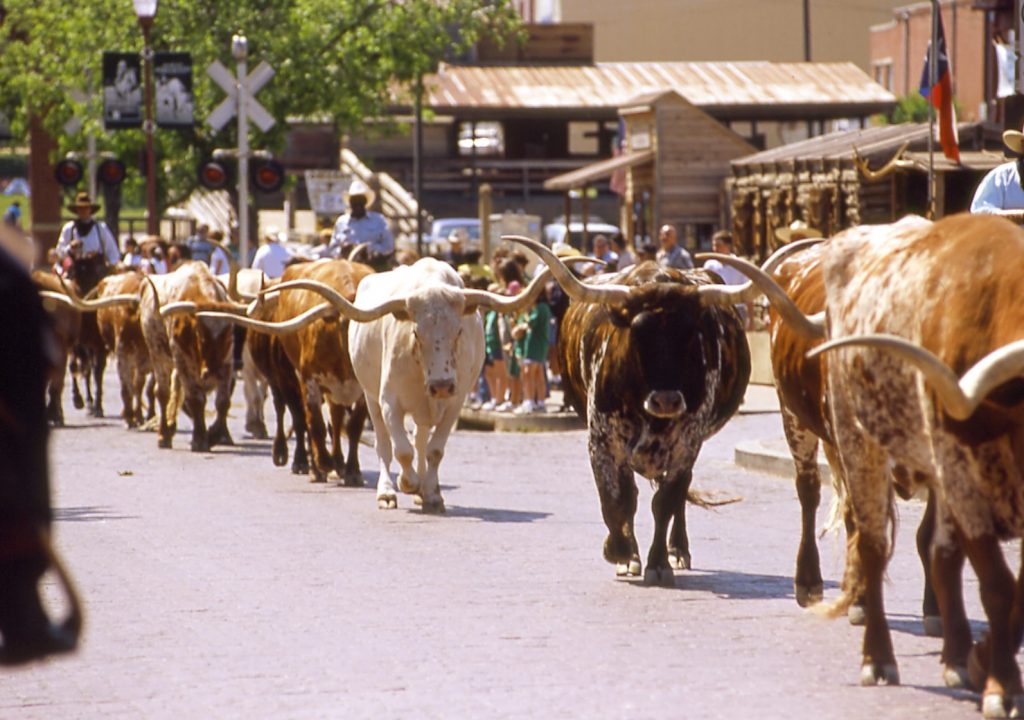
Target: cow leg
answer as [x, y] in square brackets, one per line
[665, 505]
[255, 393]
[387, 497]
[808, 585]
[279, 449]
[945, 559]
[219, 433]
[126, 374]
[430, 487]
[925, 537]
[679, 540]
[313, 399]
[338, 414]
[76, 369]
[1000, 598]
[353, 473]
[409, 481]
[195, 406]
[99, 366]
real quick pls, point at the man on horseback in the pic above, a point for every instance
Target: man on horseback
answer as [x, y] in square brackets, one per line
[86, 237]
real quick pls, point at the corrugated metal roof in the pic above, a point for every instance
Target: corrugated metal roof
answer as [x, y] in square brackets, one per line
[719, 88]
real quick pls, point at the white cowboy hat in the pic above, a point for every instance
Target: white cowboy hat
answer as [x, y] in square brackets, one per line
[358, 187]
[797, 230]
[1014, 139]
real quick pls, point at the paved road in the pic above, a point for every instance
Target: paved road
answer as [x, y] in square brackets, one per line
[218, 586]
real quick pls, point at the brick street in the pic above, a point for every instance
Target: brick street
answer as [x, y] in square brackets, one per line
[219, 586]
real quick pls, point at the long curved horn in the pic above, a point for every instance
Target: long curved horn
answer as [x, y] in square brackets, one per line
[92, 305]
[576, 289]
[232, 270]
[776, 258]
[354, 253]
[277, 329]
[346, 308]
[512, 304]
[811, 327]
[959, 396]
[178, 308]
[895, 163]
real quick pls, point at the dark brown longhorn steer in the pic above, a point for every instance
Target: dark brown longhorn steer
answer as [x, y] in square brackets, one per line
[940, 299]
[659, 362]
[318, 351]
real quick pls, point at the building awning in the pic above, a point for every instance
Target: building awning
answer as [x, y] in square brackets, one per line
[595, 171]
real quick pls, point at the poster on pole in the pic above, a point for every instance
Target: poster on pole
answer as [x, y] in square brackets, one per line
[326, 189]
[122, 90]
[172, 73]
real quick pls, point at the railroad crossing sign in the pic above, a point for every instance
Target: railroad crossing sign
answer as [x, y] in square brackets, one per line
[250, 85]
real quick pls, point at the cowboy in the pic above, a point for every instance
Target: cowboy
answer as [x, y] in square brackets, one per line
[85, 236]
[360, 225]
[797, 230]
[1000, 191]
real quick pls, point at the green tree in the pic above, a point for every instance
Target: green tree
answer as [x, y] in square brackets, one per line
[336, 60]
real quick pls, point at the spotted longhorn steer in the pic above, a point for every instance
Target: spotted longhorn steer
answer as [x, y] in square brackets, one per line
[417, 348]
[187, 352]
[121, 331]
[933, 304]
[659, 362]
[248, 283]
[317, 349]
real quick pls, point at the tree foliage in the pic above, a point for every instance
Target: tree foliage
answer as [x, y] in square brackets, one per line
[337, 61]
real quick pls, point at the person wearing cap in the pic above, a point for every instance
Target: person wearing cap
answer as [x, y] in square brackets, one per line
[272, 257]
[1000, 191]
[361, 225]
[87, 236]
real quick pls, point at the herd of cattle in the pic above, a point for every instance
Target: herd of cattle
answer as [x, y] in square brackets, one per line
[899, 348]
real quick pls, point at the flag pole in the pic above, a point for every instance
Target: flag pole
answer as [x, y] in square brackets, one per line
[933, 77]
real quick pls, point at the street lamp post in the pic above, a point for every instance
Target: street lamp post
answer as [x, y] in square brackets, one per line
[145, 10]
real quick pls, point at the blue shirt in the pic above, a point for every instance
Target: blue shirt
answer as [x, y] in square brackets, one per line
[371, 229]
[999, 190]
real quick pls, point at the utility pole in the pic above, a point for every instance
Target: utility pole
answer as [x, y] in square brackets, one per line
[807, 30]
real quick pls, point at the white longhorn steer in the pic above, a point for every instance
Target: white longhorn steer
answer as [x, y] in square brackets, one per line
[417, 347]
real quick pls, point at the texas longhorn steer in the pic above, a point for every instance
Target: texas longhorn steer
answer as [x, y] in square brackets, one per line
[121, 331]
[659, 362]
[248, 283]
[192, 353]
[417, 348]
[932, 304]
[317, 348]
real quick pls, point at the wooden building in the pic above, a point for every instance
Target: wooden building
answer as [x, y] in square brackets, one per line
[674, 161]
[832, 182]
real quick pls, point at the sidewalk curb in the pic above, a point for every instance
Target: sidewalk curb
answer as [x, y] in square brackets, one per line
[756, 455]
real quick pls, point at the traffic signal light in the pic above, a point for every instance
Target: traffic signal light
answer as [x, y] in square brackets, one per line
[267, 175]
[214, 175]
[68, 172]
[111, 172]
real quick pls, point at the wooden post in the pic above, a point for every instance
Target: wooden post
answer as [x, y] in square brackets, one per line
[584, 210]
[568, 214]
[485, 205]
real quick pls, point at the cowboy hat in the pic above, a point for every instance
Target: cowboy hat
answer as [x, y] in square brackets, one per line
[82, 200]
[797, 230]
[1014, 139]
[358, 187]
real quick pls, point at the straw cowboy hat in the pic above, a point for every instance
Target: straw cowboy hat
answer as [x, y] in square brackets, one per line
[797, 230]
[1014, 139]
[358, 187]
[82, 200]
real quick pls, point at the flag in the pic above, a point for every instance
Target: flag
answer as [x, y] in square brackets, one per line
[941, 95]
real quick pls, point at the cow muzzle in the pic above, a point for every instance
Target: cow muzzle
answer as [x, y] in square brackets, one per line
[441, 389]
[665, 404]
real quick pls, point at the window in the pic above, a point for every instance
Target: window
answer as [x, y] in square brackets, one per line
[481, 139]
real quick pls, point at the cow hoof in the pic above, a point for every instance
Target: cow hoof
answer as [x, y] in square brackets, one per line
[807, 595]
[300, 468]
[679, 561]
[659, 576]
[994, 705]
[856, 615]
[933, 625]
[977, 672]
[317, 477]
[435, 506]
[200, 446]
[164, 443]
[630, 569]
[354, 478]
[279, 454]
[387, 502]
[334, 477]
[219, 435]
[955, 676]
[871, 674]
[257, 430]
[77, 402]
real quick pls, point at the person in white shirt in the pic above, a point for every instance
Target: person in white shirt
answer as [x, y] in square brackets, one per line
[721, 242]
[1000, 191]
[85, 236]
[219, 261]
[272, 257]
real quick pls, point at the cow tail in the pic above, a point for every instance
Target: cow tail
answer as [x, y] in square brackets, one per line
[177, 396]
